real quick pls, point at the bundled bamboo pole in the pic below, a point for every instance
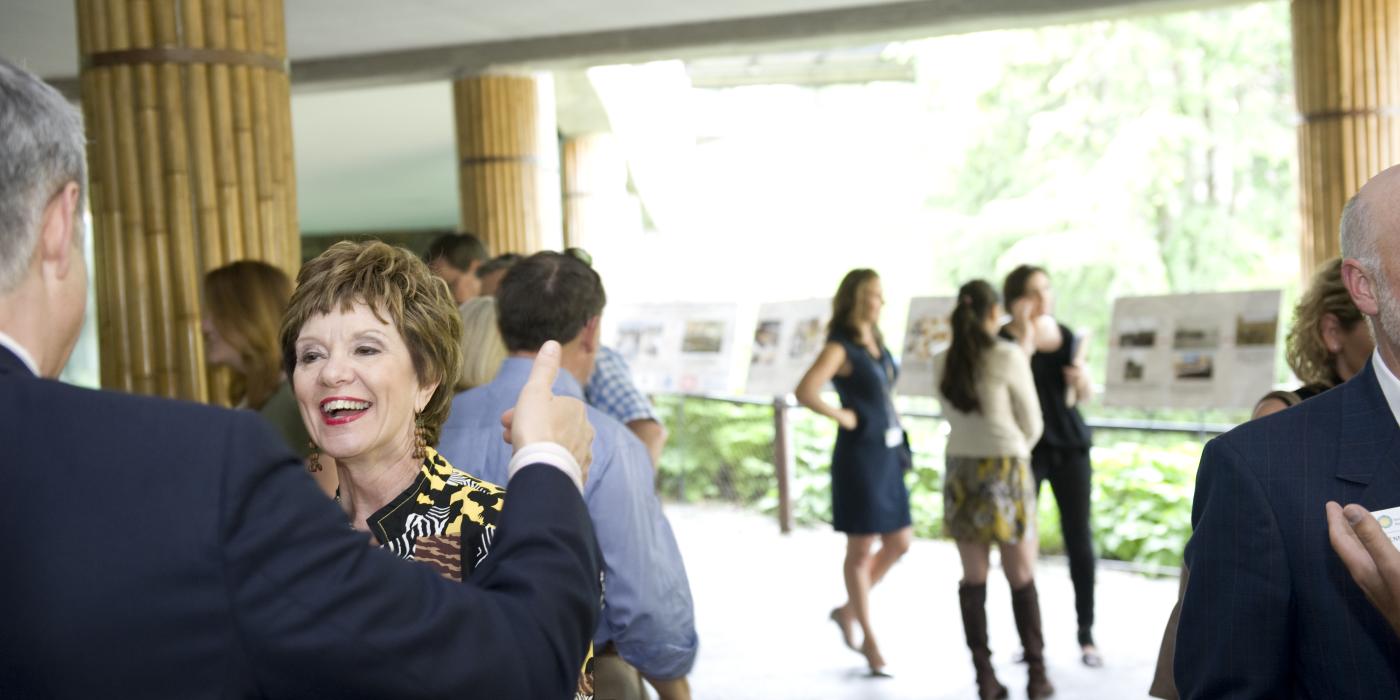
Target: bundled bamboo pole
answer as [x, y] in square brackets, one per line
[508, 175]
[188, 111]
[1346, 68]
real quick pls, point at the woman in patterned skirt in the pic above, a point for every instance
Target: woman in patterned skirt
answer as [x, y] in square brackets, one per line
[371, 342]
[989, 400]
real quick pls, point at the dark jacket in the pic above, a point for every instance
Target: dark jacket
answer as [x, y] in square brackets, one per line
[1270, 611]
[153, 548]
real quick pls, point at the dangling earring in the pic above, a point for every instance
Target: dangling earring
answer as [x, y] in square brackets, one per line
[420, 440]
[313, 461]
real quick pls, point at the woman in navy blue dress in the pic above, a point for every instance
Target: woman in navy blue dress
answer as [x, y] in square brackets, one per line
[869, 500]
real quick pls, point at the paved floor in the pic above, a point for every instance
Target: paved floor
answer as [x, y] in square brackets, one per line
[761, 602]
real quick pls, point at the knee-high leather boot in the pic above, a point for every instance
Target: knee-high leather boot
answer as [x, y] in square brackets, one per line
[1025, 603]
[973, 600]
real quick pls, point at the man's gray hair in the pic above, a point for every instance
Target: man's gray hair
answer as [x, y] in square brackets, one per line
[1358, 237]
[41, 150]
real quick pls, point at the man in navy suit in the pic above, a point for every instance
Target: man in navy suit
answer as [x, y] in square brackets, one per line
[158, 549]
[1271, 610]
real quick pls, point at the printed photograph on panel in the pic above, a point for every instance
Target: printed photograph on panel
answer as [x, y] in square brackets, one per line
[1194, 366]
[703, 337]
[765, 342]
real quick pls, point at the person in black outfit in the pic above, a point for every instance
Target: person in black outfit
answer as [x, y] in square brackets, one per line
[868, 495]
[1062, 455]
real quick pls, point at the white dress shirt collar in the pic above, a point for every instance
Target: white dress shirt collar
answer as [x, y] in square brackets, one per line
[1390, 385]
[13, 346]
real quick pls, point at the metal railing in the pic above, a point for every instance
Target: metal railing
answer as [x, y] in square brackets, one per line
[783, 448]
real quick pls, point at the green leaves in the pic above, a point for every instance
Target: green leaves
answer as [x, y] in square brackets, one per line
[1142, 488]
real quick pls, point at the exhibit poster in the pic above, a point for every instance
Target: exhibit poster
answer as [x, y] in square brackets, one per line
[787, 338]
[926, 333]
[1192, 351]
[685, 348]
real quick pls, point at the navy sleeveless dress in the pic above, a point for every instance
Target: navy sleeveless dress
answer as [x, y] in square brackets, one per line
[868, 495]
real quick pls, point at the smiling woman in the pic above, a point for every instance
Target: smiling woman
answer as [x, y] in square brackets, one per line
[369, 339]
[371, 342]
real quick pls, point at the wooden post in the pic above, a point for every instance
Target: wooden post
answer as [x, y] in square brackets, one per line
[508, 155]
[1346, 66]
[190, 151]
[783, 461]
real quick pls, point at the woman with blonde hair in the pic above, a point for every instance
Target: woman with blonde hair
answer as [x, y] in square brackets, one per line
[243, 306]
[1328, 343]
[483, 349]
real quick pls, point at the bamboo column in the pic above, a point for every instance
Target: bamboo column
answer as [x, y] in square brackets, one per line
[189, 123]
[597, 205]
[509, 161]
[1346, 65]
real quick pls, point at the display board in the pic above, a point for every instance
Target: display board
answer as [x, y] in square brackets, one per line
[927, 332]
[1192, 351]
[688, 348]
[787, 338]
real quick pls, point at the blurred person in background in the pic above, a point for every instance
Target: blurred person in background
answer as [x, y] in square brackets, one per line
[989, 400]
[494, 270]
[648, 626]
[483, 351]
[243, 306]
[610, 389]
[1327, 344]
[1062, 453]
[869, 500]
[456, 257]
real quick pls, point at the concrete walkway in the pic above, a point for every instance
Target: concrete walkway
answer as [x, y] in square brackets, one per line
[761, 603]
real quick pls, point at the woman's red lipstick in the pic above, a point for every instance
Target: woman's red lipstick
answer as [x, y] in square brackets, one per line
[339, 410]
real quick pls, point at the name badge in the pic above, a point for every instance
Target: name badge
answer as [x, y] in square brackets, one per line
[894, 437]
[1389, 520]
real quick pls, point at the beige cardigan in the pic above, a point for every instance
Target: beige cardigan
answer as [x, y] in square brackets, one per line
[1009, 423]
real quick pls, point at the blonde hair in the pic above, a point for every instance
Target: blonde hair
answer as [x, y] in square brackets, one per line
[1307, 351]
[483, 350]
[245, 301]
[391, 282]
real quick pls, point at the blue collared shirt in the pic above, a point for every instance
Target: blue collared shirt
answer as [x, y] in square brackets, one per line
[647, 609]
[612, 391]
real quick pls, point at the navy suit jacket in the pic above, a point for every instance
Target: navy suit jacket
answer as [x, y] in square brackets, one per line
[1270, 611]
[150, 548]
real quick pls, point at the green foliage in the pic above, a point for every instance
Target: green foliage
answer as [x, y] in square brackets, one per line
[1142, 488]
[727, 455]
[1127, 156]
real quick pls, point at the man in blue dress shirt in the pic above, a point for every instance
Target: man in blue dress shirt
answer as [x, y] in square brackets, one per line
[648, 618]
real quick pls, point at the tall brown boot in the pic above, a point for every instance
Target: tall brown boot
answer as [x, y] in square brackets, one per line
[1025, 603]
[973, 600]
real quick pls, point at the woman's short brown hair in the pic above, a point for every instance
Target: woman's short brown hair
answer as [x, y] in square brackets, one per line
[1306, 348]
[391, 282]
[245, 301]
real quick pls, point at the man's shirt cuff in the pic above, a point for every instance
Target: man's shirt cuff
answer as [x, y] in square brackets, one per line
[551, 453]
